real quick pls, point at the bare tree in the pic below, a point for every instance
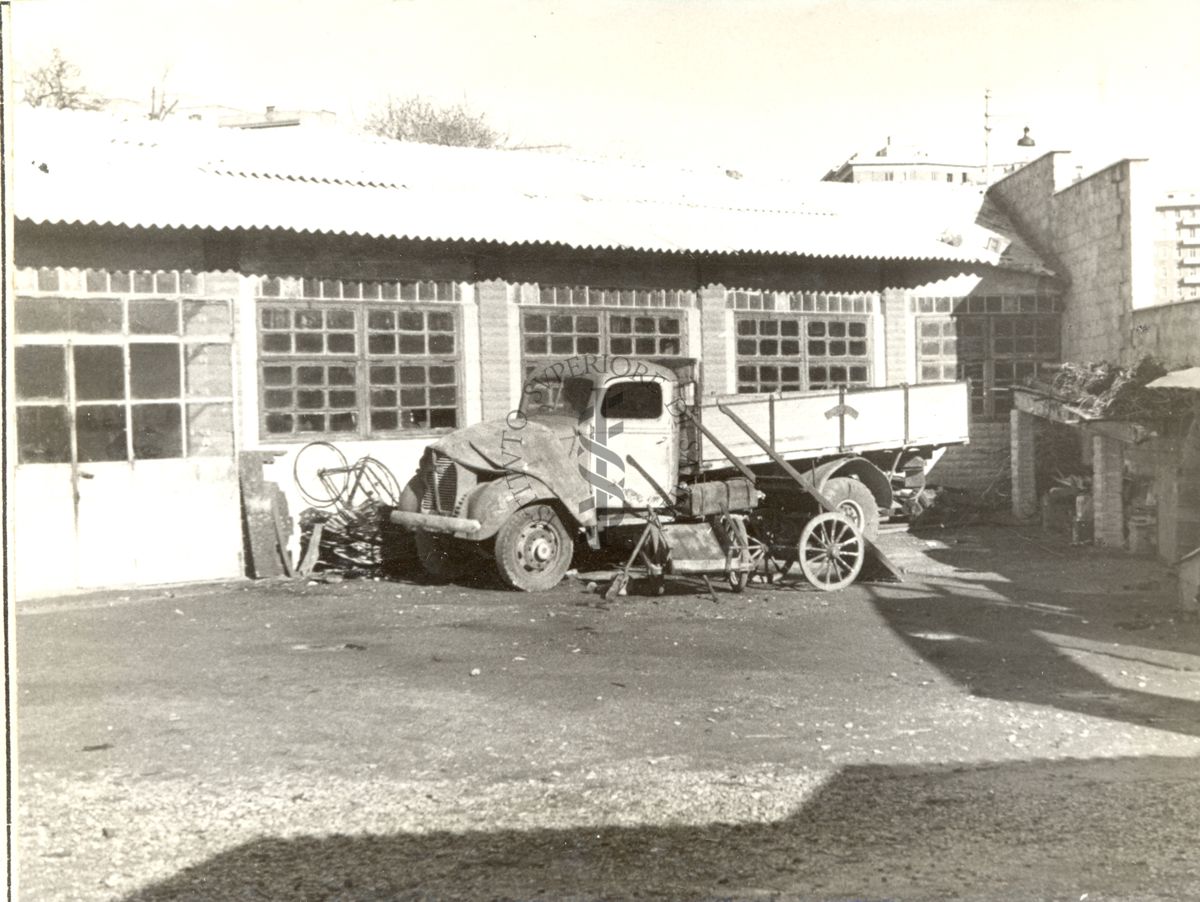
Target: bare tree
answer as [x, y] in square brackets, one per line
[159, 108]
[422, 121]
[56, 85]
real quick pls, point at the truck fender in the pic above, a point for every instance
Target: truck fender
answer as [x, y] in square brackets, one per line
[492, 503]
[861, 469]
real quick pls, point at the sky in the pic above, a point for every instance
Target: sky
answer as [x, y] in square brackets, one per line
[793, 86]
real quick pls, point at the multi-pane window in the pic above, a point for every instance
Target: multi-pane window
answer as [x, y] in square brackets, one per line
[798, 353]
[125, 377]
[588, 296]
[837, 353]
[951, 350]
[362, 368]
[547, 334]
[994, 352]
[802, 301]
[359, 289]
[646, 335]
[560, 334]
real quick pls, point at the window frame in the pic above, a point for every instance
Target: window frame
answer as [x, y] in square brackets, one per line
[125, 337]
[363, 361]
[980, 369]
[803, 359]
[605, 334]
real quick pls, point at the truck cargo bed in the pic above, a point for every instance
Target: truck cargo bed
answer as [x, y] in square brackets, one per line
[802, 425]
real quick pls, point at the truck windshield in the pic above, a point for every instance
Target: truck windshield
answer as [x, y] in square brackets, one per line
[568, 398]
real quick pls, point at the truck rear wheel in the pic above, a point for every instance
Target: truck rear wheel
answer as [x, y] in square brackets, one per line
[533, 549]
[856, 502]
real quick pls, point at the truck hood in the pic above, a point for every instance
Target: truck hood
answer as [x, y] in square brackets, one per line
[538, 447]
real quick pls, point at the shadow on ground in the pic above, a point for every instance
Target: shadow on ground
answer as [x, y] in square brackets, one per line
[1053, 626]
[1045, 829]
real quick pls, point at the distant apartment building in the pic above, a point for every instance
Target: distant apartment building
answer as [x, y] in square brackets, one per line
[1177, 247]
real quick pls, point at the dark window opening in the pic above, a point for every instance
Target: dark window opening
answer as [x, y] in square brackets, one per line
[633, 401]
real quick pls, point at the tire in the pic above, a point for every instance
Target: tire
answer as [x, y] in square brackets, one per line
[854, 500]
[441, 557]
[533, 549]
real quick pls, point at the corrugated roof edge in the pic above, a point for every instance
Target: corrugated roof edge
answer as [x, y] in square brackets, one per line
[948, 260]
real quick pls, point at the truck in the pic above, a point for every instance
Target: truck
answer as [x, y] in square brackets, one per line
[625, 456]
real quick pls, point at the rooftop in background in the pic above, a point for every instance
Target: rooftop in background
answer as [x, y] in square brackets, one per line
[1180, 197]
[273, 118]
[94, 169]
[911, 163]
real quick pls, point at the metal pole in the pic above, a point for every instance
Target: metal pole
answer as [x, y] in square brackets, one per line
[771, 417]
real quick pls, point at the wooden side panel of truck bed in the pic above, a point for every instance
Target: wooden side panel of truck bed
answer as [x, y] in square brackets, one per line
[815, 424]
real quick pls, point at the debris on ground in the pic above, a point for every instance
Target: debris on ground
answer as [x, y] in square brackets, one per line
[944, 506]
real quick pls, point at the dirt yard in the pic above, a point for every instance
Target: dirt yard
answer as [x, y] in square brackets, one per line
[1017, 719]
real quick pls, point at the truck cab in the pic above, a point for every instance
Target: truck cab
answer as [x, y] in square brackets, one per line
[524, 488]
[627, 416]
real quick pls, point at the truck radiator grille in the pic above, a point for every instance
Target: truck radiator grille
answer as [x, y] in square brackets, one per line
[441, 485]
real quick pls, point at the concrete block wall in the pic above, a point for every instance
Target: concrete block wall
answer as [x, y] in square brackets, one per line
[1027, 196]
[496, 317]
[899, 338]
[1023, 450]
[1098, 234]
[716, 325]
[1108, 460]
[1171, 333]
[1093, 240]
[976, 466]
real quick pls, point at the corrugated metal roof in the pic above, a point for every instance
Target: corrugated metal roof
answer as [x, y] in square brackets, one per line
[1186, 378]
[91, 168]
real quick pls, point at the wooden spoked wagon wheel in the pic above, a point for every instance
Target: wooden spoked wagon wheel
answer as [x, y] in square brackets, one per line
[831, 551]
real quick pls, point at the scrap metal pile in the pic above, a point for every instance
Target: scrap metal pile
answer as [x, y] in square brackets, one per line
[348, 541]
[343, 531]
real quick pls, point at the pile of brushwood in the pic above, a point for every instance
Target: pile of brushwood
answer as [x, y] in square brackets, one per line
[1106, 391]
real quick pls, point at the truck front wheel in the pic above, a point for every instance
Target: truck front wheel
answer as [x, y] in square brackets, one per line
[533, 549]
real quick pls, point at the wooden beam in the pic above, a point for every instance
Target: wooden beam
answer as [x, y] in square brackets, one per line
[1060, 412]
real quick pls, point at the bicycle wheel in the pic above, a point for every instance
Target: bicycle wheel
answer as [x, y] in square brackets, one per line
[372, 481]
[321, 473]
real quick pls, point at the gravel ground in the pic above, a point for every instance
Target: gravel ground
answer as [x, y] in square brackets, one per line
[1016, 720]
